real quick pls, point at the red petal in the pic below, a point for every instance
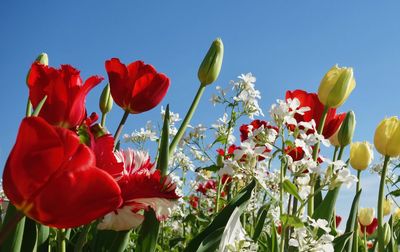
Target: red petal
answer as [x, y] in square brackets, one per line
[120, 85]
[51, 177]
[105, 158]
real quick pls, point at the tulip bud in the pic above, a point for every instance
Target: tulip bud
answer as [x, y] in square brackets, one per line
[212, 62]
[387, 207]
[387, 137]
[366, 216]
[336, 86]
[346, 131]
[387, 234]
[334, 139]
[106, 101]
[361, 155]
[42, 59]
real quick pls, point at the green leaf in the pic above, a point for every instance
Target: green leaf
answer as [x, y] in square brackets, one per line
[290, 188]
[120, 241]
[260, 222]
[327, 206]
[211, 242]
[212, 168]
[292, 221]
[13, 240]
[272, 243]
[395, 193]
[339, 243]
[163, 157]
[148, 234]
[222, 218]
[352, 220]
[30, 235]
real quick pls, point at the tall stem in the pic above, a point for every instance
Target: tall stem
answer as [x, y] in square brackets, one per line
[381, 234]
[61, 240]
[315, 157]
[120, 126]
[103, 119]
[187, 119]
[355, 231]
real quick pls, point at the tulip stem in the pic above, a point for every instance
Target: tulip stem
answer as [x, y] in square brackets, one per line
[61, 240]
[355, 233]
[187, 119]
[381, 234]
[120, 126]
[28, 108]
[39, 106]
[103, 119]
[315, 157]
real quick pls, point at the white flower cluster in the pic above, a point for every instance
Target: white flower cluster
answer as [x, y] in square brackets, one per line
[306, 238]
[222, 129]
[143, 135]
[248, 95]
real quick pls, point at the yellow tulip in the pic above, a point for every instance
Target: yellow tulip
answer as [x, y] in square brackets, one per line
[336, 86]
[396, 214]
[366, 216]
[387, 207]
[361, 155]
[387, 137]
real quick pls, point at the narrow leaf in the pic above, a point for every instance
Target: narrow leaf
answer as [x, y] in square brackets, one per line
[290, 188]
[339, 243]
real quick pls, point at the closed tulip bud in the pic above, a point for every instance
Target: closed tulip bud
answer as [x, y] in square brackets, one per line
[361, 155]
[366, 216]
[336, 86]
[334, 139]
[212, 62]
[346, 131]
[106, 101]
[387, 137]
[42, 59]
[387, 207]
[387, 233]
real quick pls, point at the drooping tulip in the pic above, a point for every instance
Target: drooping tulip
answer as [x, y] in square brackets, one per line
[387, 137]
[52, 178]
[336, 86]
[66, 94]
[333, 120]
[361, 155]
[137, 87]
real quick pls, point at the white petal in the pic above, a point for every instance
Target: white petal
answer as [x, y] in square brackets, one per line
[122, 219]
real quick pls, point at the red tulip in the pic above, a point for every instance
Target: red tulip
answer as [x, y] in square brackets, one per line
[137, 87]
[333, 120]
[65, 103]
[52, 178]
[338, 220]
[142, 186]
[370, 229]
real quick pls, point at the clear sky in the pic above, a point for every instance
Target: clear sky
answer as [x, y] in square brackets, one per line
[285, 44]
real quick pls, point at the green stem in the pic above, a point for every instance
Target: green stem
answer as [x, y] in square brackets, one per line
[103, 119]
[355, 233]
[28, 108]
[187, 119]
[315, 157]
[365, 239]
[381, 234]
[218, 195]
[61, 244]
[120, 126]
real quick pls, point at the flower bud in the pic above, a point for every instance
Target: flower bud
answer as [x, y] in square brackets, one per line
[106, 101]
[346, 131]
[212, 62]
[366, 216]
[336, 86]
[361, 155]
[387, 137]
[42, 59]
[387, 234]
[387, 207]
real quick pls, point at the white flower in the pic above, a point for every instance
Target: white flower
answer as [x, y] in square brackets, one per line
[344, 176]
[320, 223]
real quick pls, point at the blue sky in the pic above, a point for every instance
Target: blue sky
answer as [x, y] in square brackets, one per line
[285, 44]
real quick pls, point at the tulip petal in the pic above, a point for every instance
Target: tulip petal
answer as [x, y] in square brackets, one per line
[120, 84]
[122, 219]
[51, 177]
